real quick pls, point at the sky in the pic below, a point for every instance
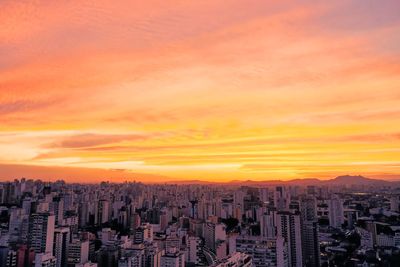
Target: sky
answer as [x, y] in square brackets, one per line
[212, 90]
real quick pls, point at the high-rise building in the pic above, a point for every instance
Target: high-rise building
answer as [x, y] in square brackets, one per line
[194, 249]
[264, 195]
[238, 199]
[134, 222]
[108, 256]
[103, 212]
[152, 255]
[335, 211]
[267, 225]
[57, 208]
[173, 259]
[394, 203]
[264, 251]
[288, 226]
[281, 198]
[61, 245]
[45, 260]
[25, 256]
[41, 232]
[78, 252]
[8, 257]
[134, 256]
[143, 233]
[309, 232]
[124, 262]
[213, 233]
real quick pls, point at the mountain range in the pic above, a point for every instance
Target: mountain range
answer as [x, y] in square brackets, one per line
[337, 181]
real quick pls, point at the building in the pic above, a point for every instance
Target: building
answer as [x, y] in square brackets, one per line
[8, 257]
[335, 212]
[124, 262]
[41, 232]
[108, 256]
[45, 260]
[61, 245]
[310, 244]
[173, 259]
[289, 228]
[78, 252]
[143, 233]
[135, 256]
[267, 225]
[57, 208]
[237, 259]
[214, 233]
[281, 198]
[263, 251]
[194, 249]
[394, 203]
[152, 255]
[309, 232]
[383, 240]
[25, 256]
[264, 197]
[103, 211]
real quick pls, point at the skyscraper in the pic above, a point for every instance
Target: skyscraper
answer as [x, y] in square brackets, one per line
[214, 233]
[267, 225]
[281, 198]
[335, 212]
[289, 228]
[41, 232]
[61, 242]
[309, 232]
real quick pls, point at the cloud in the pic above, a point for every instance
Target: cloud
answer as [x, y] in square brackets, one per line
[93, 140]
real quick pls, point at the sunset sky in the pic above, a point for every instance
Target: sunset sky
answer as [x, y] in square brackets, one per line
[213, 90]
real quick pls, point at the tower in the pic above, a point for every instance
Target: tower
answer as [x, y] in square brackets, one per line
[41, 232]
[289, 228]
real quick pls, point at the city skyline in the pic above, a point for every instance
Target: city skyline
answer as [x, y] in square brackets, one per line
[199, 90]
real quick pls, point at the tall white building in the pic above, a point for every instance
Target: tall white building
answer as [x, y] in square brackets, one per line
[41, 232]
[194, 249]
[335, 211]
[289, 228]
[213, 233]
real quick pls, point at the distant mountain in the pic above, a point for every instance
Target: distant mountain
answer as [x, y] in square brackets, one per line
[355, 180]
[183, 182]
[340, 180]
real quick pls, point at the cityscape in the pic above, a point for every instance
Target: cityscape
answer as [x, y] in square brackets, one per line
[346, 221]
[195, 133]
